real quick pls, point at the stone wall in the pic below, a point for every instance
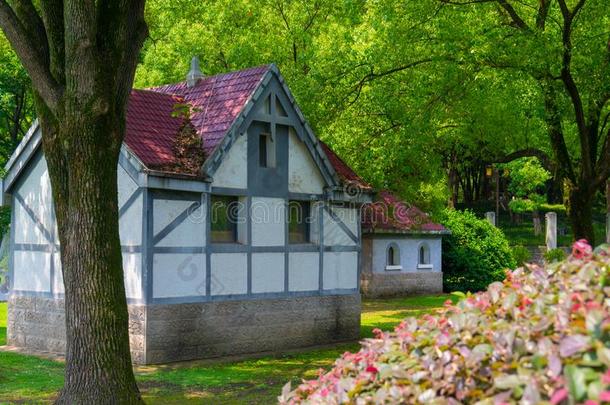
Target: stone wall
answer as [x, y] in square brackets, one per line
[396, 284]
[37, 324]
[178, 332]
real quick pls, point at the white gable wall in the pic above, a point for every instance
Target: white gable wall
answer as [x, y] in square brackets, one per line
[233, 170]
[36, 260]
[303, 173]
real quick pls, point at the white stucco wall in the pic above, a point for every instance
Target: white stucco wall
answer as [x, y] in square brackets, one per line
[229, 273]
[32, 269]
[340, 270]
[334, 234]
[303, 173]
[303, 271]
[268, 221]
[35, 190]
[267, 272]
[409, 253]
[190, 232]
[233, 170]
[179, 275]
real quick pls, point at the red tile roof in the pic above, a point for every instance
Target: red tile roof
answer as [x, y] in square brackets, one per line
[215, 102]
[150, 128]
[390, 214]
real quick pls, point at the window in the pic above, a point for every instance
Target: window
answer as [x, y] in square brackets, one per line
[423, 261]
[393, 257]
[298, 222]
[266, 151]
[224, 210]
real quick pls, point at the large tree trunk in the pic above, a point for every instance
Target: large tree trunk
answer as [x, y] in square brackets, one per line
[580, 212]
[83, 174]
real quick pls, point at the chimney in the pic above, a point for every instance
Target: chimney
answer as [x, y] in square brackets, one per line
[194, 74]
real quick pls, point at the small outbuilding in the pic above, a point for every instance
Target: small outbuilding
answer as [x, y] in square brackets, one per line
[240, 230]
[401, 249]
[238, 233]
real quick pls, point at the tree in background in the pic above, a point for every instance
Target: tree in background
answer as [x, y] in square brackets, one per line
[81, 57]
[564, 49]
[16, 107]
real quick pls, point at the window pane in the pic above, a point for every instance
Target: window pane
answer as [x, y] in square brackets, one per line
[262, 151]
[224, 219]
[298, 222]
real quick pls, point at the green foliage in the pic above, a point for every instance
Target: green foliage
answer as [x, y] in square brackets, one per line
[560, 209]
[521, 254]
[521, 205]
[554, 255]
[527, 176]
[540, 337]
[475, 254]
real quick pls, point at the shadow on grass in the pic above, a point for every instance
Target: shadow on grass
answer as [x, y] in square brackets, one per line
[31, 379]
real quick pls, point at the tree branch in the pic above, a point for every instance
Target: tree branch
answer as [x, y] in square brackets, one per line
[572, 88]
[53, 18]
[29, 53]
[542, 156]
[517, 20]
[543, 13]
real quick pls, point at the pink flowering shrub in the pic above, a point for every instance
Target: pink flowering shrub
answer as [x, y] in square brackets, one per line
[541, 336]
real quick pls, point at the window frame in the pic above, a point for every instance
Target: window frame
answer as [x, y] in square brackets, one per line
[234, 200]
[266, 151]
[392, 262]
[306, 231]
[424, 257]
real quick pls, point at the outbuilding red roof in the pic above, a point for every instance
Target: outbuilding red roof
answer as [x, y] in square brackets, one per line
[156, 116]
[390, 214]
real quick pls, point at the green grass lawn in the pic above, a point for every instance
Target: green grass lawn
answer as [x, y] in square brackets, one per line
[29, 379]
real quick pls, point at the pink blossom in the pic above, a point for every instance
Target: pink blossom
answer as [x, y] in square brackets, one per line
[606, 378]
[372, 370]
[581, 249]
[559, 396]
[604, 396]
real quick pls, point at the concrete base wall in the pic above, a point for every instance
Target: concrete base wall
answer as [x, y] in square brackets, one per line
[38, 324]
[176, 332]
[397, 284]
[179, 332]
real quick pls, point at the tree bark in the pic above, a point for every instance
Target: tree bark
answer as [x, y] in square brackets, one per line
[81, 57]
[83, 176]
[580, 213]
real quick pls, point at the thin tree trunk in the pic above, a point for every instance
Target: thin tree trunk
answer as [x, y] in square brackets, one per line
[84, 181]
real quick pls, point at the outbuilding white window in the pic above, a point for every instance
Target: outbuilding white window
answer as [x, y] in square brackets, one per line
[266, 151]
[393, 257]
[423, 261]
[298, 222]
[226, 212]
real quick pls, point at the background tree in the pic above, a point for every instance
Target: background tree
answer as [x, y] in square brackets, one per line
[81, 57]
[16, 107]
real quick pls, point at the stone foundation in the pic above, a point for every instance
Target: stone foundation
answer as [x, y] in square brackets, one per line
[38, 324]
[375, 285]
[176, 332]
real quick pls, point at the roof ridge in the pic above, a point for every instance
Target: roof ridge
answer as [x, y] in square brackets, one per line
[156, 88]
